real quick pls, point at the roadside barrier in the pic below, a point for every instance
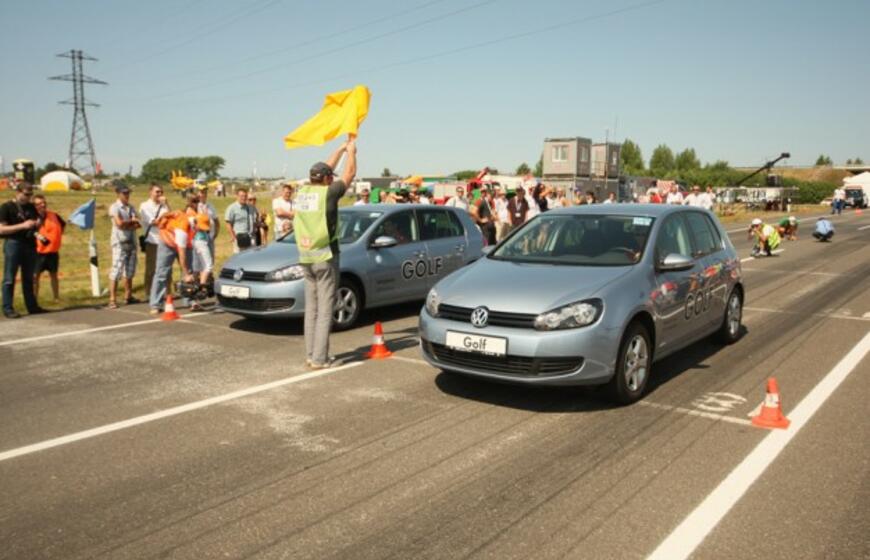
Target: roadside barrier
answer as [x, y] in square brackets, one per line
[771, 415]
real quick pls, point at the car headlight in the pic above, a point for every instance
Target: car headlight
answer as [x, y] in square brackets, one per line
[433, 302]
[571, 316]
[293, 272]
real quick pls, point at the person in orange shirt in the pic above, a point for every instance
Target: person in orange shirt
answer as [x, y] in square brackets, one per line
[176, 242]
[48, 245]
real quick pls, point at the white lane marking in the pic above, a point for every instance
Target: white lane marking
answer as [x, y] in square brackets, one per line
[699, 413]
[683, 541]
[866, 316]
[138, 420]
[412, 360]
[775, 252]
[862, 228]
[95, 329]
[73, 333]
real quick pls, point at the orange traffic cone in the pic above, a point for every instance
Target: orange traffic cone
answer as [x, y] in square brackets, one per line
[379, 350]
[169, 313]
[771, 415]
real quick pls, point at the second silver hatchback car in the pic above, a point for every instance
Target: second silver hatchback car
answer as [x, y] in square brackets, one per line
[587, 295]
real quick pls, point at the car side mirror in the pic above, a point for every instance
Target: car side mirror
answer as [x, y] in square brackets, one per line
[675, 262]
[384, 241]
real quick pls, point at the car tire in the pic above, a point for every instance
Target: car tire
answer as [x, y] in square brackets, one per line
[633, 366]
[729, 331]
[348, 305]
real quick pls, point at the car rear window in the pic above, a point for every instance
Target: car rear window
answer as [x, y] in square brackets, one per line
[586, 240]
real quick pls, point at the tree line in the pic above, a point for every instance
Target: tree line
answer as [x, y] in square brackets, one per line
[157, 170]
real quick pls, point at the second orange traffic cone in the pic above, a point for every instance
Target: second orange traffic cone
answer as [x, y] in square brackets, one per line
[379, 349]
[771, 415]
[169, 312]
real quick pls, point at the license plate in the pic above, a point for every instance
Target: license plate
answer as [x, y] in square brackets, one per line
[238, 292]
[490, 345]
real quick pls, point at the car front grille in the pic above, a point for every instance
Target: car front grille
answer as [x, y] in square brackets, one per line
[496, 318]
[228, 273]
[277, 304]
[505, 365]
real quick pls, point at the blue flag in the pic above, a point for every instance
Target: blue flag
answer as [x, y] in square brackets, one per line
[83, 216]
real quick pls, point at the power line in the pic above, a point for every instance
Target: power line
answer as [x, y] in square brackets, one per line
[311, 41]
[81, 145]
[117, 39]
[355, 74]
[326, 52]
[235, 16]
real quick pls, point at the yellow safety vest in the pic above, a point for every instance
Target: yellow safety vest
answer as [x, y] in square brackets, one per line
[309, 224]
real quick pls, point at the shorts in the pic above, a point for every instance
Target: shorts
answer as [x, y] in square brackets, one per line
[47, 262]
[123, 262]
[202, 257]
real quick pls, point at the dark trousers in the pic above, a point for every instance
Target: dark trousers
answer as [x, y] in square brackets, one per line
[19, 255]
[823, 236]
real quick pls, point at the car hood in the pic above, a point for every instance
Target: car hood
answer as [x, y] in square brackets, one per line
[265, 259]
[525, 288]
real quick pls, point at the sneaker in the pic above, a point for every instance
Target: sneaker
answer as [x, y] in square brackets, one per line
[38, 311]
[330, 362]
[12, 314]
[154, 311]
[195, 307]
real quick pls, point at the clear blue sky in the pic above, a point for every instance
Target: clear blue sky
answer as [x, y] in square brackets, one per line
[739, 80]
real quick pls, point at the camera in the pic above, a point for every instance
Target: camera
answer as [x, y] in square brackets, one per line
[195, 290]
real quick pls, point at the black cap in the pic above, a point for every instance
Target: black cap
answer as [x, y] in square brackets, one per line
[320, 169]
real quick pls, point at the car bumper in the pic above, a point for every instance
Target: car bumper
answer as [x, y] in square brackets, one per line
[267, 299]
[584, 356]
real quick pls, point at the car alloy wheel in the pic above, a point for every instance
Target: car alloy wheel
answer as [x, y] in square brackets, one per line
[636, 363]
[633, 364]
[346, 308]
[729, 332]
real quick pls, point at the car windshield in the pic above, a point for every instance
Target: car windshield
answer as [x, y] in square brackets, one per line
[584, 240]
[352, 224]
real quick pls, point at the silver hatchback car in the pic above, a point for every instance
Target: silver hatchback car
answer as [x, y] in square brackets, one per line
[587, 295]
[390, 253]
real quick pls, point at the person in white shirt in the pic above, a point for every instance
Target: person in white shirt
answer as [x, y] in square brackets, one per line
[695, 198]
[503, 225]
[458, 200]
[839, 201]
[534, 209]
[708, 198]
[148, 212]
[674, 196]
[423, 197]
[362, 198]
[611, 198]
[282, 207]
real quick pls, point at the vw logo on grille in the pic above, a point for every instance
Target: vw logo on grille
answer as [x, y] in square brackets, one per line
[237, 275]
[480, 317]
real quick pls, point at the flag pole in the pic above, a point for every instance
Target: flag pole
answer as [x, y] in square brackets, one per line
[95, 274]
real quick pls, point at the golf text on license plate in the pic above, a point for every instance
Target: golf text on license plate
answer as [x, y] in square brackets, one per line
[239, 292]
[491, 345]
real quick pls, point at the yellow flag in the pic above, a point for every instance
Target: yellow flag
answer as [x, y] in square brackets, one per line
[342, 113]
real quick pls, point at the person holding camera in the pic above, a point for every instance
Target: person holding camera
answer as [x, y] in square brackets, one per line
[241, 219]
[48, 245]
[176, 242]
[149, 211]
[19, 224]
[125, 220]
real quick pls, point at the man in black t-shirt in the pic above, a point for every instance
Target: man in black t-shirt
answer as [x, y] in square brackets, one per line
[19, 223]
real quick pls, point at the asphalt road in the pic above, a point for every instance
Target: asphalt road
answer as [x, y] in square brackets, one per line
[123, 437]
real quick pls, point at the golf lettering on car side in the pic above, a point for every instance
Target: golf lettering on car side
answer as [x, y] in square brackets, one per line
[422, 268]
